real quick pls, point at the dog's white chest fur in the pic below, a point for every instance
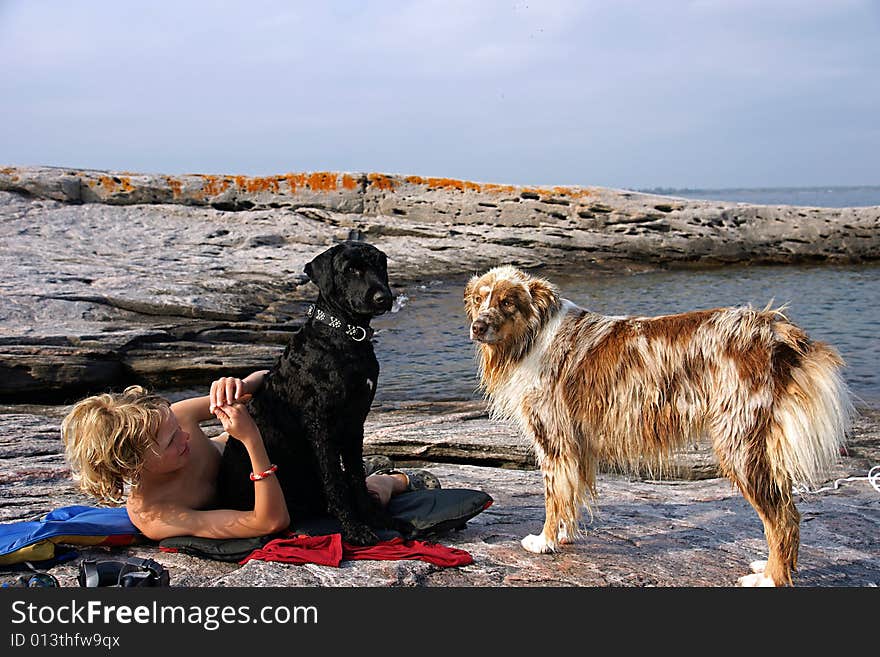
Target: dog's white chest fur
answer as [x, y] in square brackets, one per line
[526, 377]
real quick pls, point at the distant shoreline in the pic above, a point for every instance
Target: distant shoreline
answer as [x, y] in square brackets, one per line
[827, 196]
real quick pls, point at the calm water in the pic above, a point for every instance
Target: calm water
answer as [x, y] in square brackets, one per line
[819, 197]
[425, 354]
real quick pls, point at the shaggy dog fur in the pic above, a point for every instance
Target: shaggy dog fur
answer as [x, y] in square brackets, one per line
[315, 399]
[628, 390]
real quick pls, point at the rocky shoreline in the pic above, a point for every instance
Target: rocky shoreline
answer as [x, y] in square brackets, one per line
[107, 277]
[110, 278]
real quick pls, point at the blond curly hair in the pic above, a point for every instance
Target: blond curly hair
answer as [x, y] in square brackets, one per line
[106, 437]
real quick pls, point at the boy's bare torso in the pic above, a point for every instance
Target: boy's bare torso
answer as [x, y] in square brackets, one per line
[195, 485]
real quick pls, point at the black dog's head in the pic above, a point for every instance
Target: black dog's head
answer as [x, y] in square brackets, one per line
[353, 276]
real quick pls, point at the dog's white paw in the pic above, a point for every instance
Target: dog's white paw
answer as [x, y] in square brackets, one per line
[755, 580]
[758, 578]
[536, 544]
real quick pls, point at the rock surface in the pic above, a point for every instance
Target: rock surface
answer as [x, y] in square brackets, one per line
[645, 532]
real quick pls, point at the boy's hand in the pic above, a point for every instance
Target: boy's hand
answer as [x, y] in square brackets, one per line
[226, 390]
[237, 422]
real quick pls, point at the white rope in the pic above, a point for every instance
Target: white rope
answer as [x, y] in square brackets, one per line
[872, 478]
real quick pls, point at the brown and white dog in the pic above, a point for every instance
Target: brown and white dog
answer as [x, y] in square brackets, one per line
[586, 387]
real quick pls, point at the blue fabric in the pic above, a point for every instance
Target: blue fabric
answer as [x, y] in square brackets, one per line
[66, 521]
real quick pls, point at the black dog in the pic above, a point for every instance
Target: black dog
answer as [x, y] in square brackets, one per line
[315, 399]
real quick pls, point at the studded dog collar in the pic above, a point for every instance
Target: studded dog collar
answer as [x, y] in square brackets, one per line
[355, 332]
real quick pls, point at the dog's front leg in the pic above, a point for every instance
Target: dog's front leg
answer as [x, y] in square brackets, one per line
[368, 508]
[340, 504]
[569, 483]
[547, 540]
[338, 491]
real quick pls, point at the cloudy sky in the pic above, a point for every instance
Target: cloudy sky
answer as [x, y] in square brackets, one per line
[618, 93]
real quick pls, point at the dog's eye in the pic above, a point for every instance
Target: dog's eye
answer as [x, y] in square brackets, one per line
[478, 299]
[354, 271]
[507, 304]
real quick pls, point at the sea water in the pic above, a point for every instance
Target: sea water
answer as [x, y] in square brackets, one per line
[425, 353]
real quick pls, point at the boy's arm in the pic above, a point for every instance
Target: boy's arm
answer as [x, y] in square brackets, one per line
[224, 390]
[166, 521]
[268, 516]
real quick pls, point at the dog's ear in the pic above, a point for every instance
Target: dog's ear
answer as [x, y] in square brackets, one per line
[469, 289]
[383, 262]
[320, 270]
[544, 294]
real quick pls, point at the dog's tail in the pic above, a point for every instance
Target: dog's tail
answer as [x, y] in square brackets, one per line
[813, 409]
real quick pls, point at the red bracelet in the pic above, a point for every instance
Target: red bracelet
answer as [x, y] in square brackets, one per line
[265, 473]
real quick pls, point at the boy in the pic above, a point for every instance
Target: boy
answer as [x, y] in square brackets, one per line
[140, 442]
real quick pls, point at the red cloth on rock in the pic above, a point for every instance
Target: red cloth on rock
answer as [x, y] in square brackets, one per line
[331, 550]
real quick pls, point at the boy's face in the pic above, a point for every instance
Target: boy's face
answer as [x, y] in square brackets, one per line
[171, 448]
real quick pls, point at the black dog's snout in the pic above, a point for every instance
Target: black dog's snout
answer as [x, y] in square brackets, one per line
[479, 328]
[382, 299]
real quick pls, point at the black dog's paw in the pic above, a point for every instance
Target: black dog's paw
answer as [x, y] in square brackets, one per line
[402, 527]
[379, 518]
[359, 535]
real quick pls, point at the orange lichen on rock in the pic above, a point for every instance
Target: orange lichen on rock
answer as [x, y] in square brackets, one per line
[214, 185]
[257, 184]
[493, 188]
[381, 181]
[321, 181]
[573, 192]
[570, 192]
[175, 185]
[446, 183]
[113, 184]
[293, 181]
[451, 183]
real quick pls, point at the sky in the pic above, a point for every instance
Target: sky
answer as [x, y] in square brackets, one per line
[616, 93]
